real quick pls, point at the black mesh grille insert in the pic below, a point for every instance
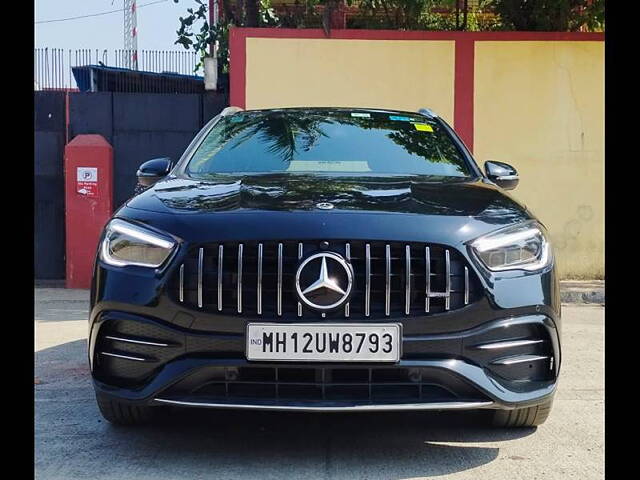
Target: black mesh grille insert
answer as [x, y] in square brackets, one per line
[322, 384]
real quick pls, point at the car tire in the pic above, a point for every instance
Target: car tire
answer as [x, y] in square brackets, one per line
[120, 413]
[522, 417]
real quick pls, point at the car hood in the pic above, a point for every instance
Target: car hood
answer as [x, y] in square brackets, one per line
[447, 211]
[424, 195]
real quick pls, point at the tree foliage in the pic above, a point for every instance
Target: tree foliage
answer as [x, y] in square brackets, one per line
[196, 34]
[551, 15]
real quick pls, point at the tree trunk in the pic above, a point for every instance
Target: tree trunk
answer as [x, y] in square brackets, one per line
[252, 11]
[464, 14]
[226, 12]
[240, 12]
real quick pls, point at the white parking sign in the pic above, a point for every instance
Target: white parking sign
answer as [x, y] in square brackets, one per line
[87, 181]
[87, 174]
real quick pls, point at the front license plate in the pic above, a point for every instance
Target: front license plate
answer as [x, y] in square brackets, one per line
[341, 342]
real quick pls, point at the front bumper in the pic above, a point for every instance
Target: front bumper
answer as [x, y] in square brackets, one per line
[147, 361]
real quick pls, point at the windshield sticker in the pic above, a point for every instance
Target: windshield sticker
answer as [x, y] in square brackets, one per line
[360, 115]
[236, 118]
[315, 166]
[400, 119]
[423, 127]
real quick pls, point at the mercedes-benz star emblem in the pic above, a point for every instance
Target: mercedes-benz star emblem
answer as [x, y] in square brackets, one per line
[324, 280]
[324, 205]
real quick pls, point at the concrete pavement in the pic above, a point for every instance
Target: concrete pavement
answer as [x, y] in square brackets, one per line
[73, 442]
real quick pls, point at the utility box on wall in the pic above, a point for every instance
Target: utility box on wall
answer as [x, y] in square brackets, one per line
[88, 162]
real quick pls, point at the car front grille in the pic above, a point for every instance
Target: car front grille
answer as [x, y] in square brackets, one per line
[390, 279]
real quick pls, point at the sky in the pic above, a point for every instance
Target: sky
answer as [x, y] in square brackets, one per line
[157, 24]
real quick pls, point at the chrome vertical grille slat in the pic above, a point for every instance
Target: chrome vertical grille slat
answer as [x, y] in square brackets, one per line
[347, 252]
[240, 252]
[367, 293]
[427, 273]
[259, 284]
[300, 252]
[181, 293]
[200, 261]
[279, 288]
[387, 283]
[391, 279]
[466, 285]
[220, 260]
[447, 279]
[407, 280]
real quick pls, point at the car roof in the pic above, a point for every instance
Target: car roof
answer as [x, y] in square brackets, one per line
[423, 112]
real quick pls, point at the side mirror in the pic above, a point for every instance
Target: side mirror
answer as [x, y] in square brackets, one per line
[153, 170]
[502, 174]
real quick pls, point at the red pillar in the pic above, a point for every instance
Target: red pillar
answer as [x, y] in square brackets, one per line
[88, 165]
[464, 90]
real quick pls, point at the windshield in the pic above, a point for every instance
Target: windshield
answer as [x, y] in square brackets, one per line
[327, 141]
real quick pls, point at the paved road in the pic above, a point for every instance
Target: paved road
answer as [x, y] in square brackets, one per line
[73, 442]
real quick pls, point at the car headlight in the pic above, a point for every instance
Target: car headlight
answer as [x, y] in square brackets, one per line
[128, 244]
[520, 247]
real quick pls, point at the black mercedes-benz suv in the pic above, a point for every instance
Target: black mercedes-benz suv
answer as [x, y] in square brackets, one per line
[325, 259]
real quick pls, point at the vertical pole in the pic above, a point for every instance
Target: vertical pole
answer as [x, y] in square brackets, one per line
[66, 116]
[130, 34]
[211, 63]
[134, 34]
[464, 14]
[46, 67]
[211, 23]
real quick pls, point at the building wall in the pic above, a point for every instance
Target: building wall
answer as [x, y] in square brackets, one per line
[535, 100]
[403, 74]
[540, 106]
